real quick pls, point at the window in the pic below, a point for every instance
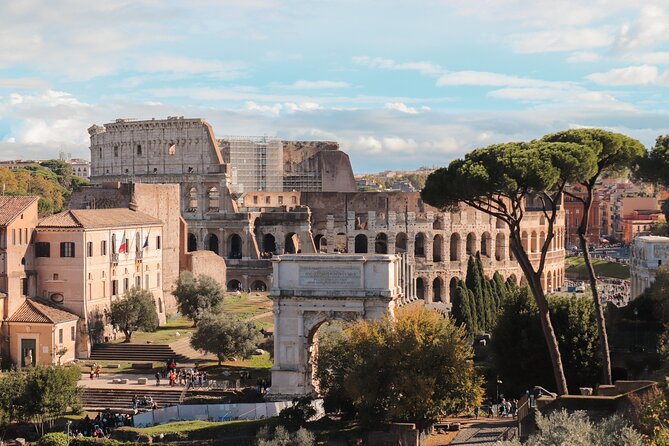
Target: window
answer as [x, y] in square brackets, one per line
[103, 247]
[139, 150]
[60, 335]
[104, 289]
[100, 152]
[158, 242]
[25, 235]
[138, 281]
[13, 236]
[293, 199]
[42, 249]
[172, 150]
[126, 284]
[89, 249]
[72, 333]
[116, 151]
[113, 246]
[20, 237]
[146, 282]
[138, 244]
[267, 199]
[280, 199]
[55, 276]
[67, 249]
[114, 287]
[24, 286]
[255, 199]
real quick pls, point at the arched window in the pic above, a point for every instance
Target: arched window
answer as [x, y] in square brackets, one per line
[400, 242]
[500, 247]
[234, 285]
[361, 244]
[436, 289]
[292, 244]
[455, 247]
[471, 244]
[419, 245]
[269, 244]
[525, 241]
[341, 243]
[438, 223]
[235, 246]
[381, 243]
[486, 244]
[213, 243]
[192, 242]
[437, 248]
[420, 288]
[213, 198]
[192, 200]
[533, 241]
[321, 243]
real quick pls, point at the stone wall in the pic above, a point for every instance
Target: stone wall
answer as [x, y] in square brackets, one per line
[316, 166]
[209, 264]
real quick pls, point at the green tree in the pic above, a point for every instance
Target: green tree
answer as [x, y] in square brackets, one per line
[54, 439]
[653, 166]
[136, 311]
[196, 296]
[279, 436]
[371, 366]
[616, 153]
[225, 337]
[499, 180]
[519, 359]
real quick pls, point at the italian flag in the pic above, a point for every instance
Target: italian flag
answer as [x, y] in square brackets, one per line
[123, 247]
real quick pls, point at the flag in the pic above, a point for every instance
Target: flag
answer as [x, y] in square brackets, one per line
[146, 241]
[124, 247]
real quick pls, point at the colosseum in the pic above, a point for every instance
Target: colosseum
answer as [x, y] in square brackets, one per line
[247, 229]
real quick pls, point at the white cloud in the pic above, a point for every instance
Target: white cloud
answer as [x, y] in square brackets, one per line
[584, 56]
[562, 40]
[650, 28]
[191, 66]
[488, 79]
[302, 107]
[427, 68]
[24, 83]
[318, 85]
[401, 107]
[632, 75]
[272, 109]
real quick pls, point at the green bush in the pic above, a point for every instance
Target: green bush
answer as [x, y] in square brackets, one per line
[53, 439]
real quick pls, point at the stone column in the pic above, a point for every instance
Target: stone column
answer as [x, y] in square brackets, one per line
[427, 290]
[371, 244]
[428, 247]
[350, 244]
[391, 243]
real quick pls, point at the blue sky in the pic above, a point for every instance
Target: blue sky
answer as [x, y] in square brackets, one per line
[399, 84]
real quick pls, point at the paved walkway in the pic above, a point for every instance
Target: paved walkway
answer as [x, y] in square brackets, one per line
[105, 382]
[482, 432]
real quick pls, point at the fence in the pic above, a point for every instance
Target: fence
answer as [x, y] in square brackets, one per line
[217, 412]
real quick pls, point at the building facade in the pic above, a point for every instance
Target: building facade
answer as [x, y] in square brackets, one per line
[648, 254]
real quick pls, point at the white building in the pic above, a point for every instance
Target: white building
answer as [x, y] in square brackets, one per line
[80, 167]
[649, 253]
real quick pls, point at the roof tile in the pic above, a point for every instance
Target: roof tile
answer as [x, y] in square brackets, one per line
[12, 206]
[37, 312]
[98, 219]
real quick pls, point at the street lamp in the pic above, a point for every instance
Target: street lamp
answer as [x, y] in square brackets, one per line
[499, 381]
[636, 340]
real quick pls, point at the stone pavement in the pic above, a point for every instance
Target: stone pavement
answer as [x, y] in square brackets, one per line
[105, 382]
[482, 432]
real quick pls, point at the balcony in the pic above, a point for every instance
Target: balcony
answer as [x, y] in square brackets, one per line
[113, 258]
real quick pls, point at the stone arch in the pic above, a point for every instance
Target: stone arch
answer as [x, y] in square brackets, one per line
[234, 285]
[437, 289]
[212, 243]
[438, 223]
[192, 199]
[514, 279]
[420, 288]
[292, 243]
[235, 246]
[381, 243]
[258, 285]
[500, 247]
[361, 244]
[419, 245]
[269, 243]
[341, 242]
[452, 287]
[321, 243]
[533, 241]
[455, 246]
[400, 242]
[471, 244]
[486, 244]
[192, 242]
[437, 248]
[213, 197]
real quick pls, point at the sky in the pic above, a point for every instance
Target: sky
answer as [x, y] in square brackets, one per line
[398, 84]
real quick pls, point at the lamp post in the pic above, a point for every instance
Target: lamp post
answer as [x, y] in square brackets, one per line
[636, 340]
[69, 423]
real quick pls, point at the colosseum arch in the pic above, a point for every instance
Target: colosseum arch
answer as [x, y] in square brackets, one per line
[235, 246]
[341, 242]
[361, 244]
[438, 223]
[212, 243]
[192, 199]
[321, 243]
[486, 244]
[269, 243]
[192, 242]
[542, 240]
[533, 242]
[400, 242]
[213, 197]
[437, 248]
[381, 243]
[452, 287]
[234, 285]
[420, 288]
[455, 247]
[419, 245]
[292, 243]
[258, 285]
[437, 289]
[471, 244]
[500, 247]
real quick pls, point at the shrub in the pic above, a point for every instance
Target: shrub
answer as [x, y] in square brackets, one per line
[281, 437]
[298, 414]
[53, 439]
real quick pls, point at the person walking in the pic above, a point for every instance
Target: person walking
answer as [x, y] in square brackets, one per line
[157, 375]
[476, 412]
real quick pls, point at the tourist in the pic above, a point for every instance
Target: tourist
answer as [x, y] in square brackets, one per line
[97, 371]
[135, 402]
[157, 379]
[476, 412]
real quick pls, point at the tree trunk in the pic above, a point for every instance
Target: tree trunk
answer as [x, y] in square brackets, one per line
[599, 313]
[128, 335]
[544, 315]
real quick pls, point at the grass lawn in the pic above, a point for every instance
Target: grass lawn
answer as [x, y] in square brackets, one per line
[164, 335]
[246, 305]
[576, 268]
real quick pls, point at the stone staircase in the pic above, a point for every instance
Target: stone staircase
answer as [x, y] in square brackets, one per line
[121, 399]
[135, 353]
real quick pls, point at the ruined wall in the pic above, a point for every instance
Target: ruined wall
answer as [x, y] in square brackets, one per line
[209, 264]
[316, 166]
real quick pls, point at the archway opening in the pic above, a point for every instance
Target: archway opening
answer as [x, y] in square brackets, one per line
[436, 289]
[269, 244]
[321, 243]
[235, 244]
[486, 242]
[361, 244]
[192, 242]
[420, 288]
[213, 198]
[500, 247]
[192, 199]
[437, 247]
[234, 285]
[213, 243]
[438, 223]
[419, 245]
[292, 245]
[455, 247]
[381, 244]
[452, 287]
[259, 285]
[471, 244]
[341, 243]
[400, 242]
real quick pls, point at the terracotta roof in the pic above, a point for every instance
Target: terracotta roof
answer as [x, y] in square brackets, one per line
[98, 218]
[11, 207]
[37, 312]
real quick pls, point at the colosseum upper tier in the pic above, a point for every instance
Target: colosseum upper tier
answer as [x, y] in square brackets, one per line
[247, 229]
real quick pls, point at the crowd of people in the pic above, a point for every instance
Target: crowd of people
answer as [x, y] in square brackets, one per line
[102, 425]
[505, 408]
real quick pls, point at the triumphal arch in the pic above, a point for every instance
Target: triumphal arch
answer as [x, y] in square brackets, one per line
[311, 289]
